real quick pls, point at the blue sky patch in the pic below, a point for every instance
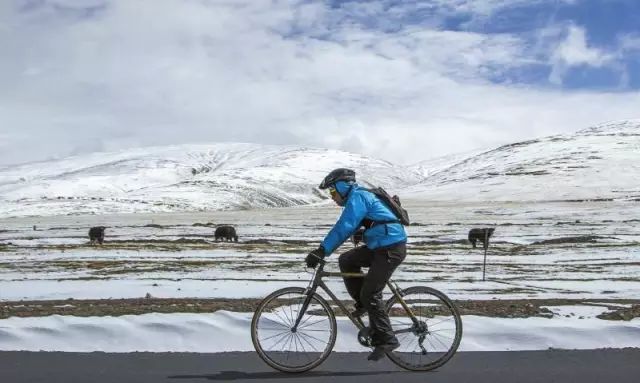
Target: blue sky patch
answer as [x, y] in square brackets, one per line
[542, 26]
[604, 24]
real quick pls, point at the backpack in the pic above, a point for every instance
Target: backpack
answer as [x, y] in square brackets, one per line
[393, 203]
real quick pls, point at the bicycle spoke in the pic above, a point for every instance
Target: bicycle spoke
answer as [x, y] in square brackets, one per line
[311, 336]
[413, 340]
[288, 347]
[311, 324]
[305, 353]
[434, 333]
[278, 334]
[302, 346]
[284, 312]
[296, 341]
[309, 343]
[444, 329]
[428, 339]
[402, 339]
[442, 321]
[275, 329]
[303, 322]
[283, 320]
[438, 339]
[277, 323]
[283, 338]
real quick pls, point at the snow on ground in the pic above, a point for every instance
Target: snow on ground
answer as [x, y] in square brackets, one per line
[54, 263]
[202, 332]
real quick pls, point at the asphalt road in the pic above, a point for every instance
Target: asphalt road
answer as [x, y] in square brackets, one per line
[478, 367]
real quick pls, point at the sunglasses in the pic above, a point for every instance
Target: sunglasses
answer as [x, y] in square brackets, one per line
[333, 192]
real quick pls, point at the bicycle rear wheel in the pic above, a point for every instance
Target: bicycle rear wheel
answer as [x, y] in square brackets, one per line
[285, 348]
[432, 340]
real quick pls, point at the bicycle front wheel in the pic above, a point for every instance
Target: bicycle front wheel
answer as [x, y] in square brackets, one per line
[290, 349]
[433, 337]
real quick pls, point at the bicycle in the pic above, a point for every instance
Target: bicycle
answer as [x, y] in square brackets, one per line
[294, 328]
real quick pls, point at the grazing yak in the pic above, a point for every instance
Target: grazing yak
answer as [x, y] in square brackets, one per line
[227, 233]
[480, 235]
[96, 234]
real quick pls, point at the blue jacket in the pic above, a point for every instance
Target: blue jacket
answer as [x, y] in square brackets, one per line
[361, 204]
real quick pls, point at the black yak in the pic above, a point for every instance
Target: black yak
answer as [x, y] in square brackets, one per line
[226, 232]
[96, 234]
[480, 235]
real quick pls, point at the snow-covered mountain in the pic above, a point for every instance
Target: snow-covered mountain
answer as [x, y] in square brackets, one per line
[601, 162]
[435, 165]
[184, 178]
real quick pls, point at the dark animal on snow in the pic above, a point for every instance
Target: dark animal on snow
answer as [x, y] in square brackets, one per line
[227, 233]
[96, 234]
[480, 235]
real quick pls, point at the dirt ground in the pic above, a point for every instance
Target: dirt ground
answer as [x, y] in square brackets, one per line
[117, 307]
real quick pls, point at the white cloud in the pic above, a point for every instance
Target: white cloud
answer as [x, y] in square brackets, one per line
[629, 42]
[574, 51]
[132, 74]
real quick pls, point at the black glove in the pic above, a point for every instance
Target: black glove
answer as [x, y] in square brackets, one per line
[314, 257]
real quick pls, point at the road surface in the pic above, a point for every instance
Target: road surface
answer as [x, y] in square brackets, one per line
[612, 365]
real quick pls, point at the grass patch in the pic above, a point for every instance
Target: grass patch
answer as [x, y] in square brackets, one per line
[507, 308]
[621, 314]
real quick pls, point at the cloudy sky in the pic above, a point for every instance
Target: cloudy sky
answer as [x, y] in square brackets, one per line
[399, 80]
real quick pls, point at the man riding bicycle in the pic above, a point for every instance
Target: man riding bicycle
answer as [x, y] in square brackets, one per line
[385, 248]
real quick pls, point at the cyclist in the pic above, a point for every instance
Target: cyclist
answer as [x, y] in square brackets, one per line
[385, 248]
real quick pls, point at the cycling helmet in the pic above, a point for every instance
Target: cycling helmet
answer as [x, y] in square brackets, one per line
[340, 174]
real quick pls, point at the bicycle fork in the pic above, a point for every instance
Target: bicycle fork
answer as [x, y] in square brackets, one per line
[303, 309]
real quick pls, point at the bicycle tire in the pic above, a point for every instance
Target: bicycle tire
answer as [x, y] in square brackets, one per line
[297, 337]
[427, 304]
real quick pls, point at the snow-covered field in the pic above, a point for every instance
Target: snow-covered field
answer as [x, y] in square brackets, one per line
[597, 254]
[202, 332]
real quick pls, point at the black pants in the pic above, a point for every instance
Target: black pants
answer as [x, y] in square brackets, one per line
[367, 291]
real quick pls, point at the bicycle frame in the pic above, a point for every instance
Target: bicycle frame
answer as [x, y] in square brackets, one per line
[357, 321]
